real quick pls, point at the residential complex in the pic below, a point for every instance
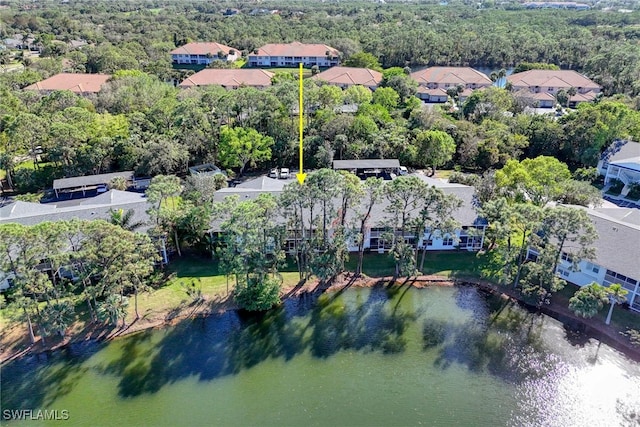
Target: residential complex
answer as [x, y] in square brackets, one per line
[345, 77]
[27, 213]
[93, 208]
[618, 228]
[229, 78]
[433, 82]
[556, 5]
[80, 83]
[470, 236]
[544, 85]
[203, 53]
[291, 54]
[621, 161]
[616, 259]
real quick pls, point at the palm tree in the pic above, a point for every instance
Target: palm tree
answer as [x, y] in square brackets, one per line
[118, 183]
[617, 295]
[57, 316]
[113, 308]
[124, 219]
[501, 76]
[588, 300]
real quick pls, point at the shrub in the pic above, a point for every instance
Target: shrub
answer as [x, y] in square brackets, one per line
[615, 186]
[31, 181]
[258, 294]
[634, 191]
[461, 178]
[586, 174]
[29, 197]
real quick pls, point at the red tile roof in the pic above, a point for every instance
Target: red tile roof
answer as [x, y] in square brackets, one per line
[431, 92]
[543, 96]
[552, 78]
[350, 76]
[451, 75]
[295, 49]
[75, 82]
[202, 48]
[229, 77]
[583, 97]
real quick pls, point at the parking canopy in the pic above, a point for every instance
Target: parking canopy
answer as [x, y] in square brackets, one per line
[366, 164]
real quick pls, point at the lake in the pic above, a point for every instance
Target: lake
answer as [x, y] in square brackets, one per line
[448, 356]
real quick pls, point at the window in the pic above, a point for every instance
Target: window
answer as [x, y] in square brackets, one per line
[429, 242]
[291, 245]
[447, 241]
[411, 241]
[566, 257]
[591, 268]
[612, 277]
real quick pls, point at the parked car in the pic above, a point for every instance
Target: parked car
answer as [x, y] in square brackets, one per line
[402, 170]
[284, 173]
[102, 188]
[273, 173]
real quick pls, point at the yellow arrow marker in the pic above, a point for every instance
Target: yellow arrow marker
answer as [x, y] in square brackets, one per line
[301, 175]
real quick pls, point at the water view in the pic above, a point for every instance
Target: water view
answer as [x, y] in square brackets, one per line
[402, 356]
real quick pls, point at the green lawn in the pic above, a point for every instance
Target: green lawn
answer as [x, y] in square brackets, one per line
[29, 164]
[622, 318]
[205, 274]
[457, 264]
[449, 264]
[443, 174]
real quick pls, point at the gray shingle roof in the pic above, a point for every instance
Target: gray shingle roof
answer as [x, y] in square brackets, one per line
[265, 183]
[466, 215]
[627, 215]
[621, 150]
[82, 181]
[20, 208]
[89, 209]
[618, 243]
[366, 164]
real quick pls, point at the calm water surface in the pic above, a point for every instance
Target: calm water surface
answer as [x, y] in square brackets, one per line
[364, 357]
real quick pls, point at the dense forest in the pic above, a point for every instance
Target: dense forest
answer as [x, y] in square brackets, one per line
[604, 45]
[140, 122]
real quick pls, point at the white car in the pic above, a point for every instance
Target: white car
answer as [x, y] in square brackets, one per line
[402, 170]
[273, 173]
[284, 173]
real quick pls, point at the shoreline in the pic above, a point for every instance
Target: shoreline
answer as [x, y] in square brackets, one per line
[592, 328]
